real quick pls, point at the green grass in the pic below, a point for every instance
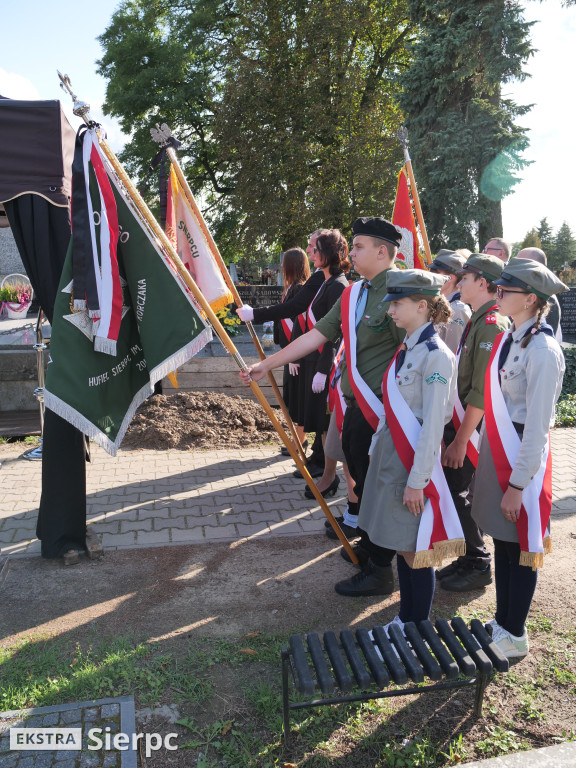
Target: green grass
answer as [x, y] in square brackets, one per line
[42, 672]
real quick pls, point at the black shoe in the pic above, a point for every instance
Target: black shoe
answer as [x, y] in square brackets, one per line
[314, 469]
[372, 580]
[467, 579]
[339, 520]
[347, 530]
[285, 452]
[448, 570]
[327, 492]
[362, 554]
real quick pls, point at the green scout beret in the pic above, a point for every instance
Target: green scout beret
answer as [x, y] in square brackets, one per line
[490, 267]
[447, 261]
[531, 276]
[376, 226]
[407, 282]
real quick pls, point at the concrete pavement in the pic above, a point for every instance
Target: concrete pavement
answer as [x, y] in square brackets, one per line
[157, 498]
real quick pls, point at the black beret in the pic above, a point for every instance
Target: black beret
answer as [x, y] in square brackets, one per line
[376, 226]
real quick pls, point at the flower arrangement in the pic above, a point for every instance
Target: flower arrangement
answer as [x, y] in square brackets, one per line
[229, 321]
[16, 299]
[17, 293]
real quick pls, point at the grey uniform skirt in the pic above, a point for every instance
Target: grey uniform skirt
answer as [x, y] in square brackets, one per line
[486, 509]
[383, 516]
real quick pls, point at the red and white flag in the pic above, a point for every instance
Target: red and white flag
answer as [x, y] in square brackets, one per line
[403, 219]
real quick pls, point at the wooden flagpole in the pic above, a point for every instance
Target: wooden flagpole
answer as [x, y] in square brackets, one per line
[403, 137]
[81, 110]
[161, 135]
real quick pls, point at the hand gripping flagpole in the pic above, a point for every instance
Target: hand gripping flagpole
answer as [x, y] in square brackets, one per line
[162, 135]
[403, 138]
[81, 109]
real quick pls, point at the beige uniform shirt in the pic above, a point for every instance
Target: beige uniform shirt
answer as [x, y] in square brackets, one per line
[531, 382]
[452, 331]
[427, 382]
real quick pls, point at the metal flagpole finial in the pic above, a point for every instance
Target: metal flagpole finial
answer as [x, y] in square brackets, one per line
[402, 134]
[80, 108]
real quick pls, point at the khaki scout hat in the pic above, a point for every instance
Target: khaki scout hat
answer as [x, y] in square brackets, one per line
[406, 282]
[447, 261]
[531, 276]
[490, 267]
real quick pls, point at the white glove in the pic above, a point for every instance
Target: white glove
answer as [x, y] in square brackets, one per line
[293, 369]
[245, 313]
[318, 382]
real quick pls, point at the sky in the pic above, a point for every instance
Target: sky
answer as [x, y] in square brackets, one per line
[39, 38]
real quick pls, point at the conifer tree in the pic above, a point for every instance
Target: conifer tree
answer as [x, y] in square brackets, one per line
[464, 139]
[564, 248]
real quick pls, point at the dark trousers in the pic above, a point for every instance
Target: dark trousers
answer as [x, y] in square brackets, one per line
[356, 438]
[61, 521]
[460, 482]
[515, 586]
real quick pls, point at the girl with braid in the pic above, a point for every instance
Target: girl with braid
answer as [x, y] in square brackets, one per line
[513, 492]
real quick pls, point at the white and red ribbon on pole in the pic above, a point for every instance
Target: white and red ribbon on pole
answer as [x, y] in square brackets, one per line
[100, 243]
[533, 524]
[370, 405]
[440, 533]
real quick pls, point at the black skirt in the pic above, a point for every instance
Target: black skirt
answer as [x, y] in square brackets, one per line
[313, 412]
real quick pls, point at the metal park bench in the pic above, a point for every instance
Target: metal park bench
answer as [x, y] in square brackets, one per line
[358, 668]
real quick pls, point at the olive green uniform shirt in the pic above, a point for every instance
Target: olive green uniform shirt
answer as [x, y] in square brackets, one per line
[377, 337]
[486, 324]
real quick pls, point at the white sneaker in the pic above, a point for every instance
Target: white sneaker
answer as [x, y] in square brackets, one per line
[511, 646]
[397, 622]
[490, 626]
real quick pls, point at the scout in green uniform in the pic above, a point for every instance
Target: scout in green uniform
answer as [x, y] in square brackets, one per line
[374, 339]
[478, 290]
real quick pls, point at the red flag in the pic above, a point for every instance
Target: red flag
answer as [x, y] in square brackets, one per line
[408, 253]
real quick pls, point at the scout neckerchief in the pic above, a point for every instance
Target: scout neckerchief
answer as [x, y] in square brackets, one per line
[473, 446]
[288, 324]
[370, 405]
[532, 525]
[336, 400]
[440, 534]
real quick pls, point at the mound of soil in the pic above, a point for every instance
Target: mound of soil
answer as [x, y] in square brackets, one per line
[200, 420]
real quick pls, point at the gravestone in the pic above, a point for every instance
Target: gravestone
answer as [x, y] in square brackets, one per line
[568, 318]
[260, 295]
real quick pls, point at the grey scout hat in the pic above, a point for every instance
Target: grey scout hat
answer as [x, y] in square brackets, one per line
[447, 261]
[406, 282]
[532, 277]
[490, 267]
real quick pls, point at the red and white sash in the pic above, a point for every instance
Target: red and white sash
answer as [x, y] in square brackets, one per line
[310, 318]
[440, 534]
[473, 446]
[370, 405]
[288, 324]
[532, 525]
[336, 400]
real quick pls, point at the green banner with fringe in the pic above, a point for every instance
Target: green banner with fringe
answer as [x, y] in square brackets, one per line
[160, 329]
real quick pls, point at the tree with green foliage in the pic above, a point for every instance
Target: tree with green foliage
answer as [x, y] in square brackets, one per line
[564, 248]
[286, 109]
[464, 138]
[531, 240]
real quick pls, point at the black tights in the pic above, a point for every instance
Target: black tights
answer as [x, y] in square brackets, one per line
[515, 586]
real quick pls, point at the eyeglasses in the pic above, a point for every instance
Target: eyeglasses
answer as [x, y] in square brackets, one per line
[496, 250]
[500, 291]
